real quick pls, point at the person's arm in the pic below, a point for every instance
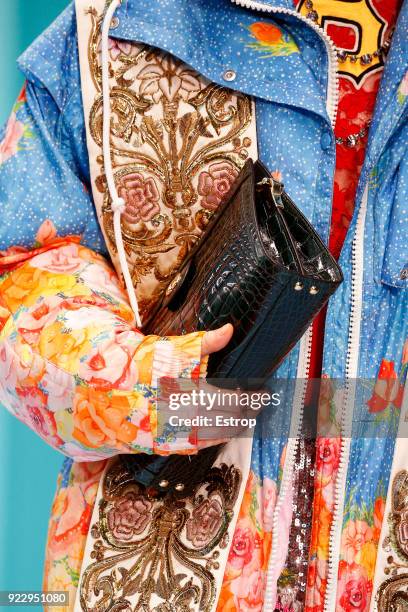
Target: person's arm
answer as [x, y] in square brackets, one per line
[72, 365]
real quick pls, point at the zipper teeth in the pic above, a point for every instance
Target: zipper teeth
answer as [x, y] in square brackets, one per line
[351, 370]
[332, 100]
[293, 443]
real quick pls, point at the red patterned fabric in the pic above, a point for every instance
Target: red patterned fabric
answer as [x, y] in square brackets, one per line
[372, 20]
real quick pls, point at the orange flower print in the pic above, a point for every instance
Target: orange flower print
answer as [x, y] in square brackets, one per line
[46, 233]
[101, 420]
[265, 32]
[379, 509]
[355, 535]
[23, 94]
[387, 389]
[270, 40]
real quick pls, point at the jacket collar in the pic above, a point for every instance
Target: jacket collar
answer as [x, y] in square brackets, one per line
[213, 36]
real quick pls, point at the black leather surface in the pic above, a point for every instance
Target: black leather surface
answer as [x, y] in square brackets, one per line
[244, 271]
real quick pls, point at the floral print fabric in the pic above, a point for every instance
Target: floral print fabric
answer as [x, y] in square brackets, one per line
[51, 169]
[72, 365]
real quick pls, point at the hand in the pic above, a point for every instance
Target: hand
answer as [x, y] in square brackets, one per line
[216, 340]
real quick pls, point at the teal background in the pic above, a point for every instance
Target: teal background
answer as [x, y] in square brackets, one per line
[28, 467]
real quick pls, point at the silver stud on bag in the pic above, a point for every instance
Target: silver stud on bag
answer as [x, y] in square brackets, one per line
[229, 75]
[163, 484]
[179, 487]
[313, 290]
[298, 286]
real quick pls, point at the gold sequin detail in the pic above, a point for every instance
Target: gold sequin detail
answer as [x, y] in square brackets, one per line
[177, 144]
[155, 555]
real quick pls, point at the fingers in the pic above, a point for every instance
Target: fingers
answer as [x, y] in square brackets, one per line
[217, 339]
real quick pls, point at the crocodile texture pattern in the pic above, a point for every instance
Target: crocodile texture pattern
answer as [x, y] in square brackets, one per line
[260, 266]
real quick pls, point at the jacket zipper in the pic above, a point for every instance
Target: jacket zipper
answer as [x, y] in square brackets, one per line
[332, 99]
[351, 372]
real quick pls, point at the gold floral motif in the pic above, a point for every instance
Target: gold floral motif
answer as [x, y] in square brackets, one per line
[392, 595]
[177, 144]
[155, 555]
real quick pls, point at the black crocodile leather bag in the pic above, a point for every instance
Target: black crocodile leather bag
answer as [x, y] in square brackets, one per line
[260, 266]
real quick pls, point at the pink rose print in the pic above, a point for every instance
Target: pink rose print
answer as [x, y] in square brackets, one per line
[354, 589]
[355, 535]
[328, 455]
[243, 545]
[269, 496]
[248, 590]
[42, 420]
[141, 196]
[204, 522]
[214, 184]
[64, 260]
[109, 365]
[129, 516]
[14, 133]
[60, 387]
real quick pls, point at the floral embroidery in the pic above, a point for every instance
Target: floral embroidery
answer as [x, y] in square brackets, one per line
[167, 78]
[270, 40]
[177, 142]
[204, 522]
[392, 594]
[129, 516]
[214, 184]
[142, 551]
[116, 47]
[141, 197]
[402, 92]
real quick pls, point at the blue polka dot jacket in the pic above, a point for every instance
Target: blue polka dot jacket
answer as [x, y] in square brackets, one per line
[45, 175]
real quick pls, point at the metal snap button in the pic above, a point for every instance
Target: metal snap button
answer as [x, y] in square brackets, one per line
[298, 286]
[179, 486]
[229, 75]
[114, 23]
[163, 484]
[313, 290]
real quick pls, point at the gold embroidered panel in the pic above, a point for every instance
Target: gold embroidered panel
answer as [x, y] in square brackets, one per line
[177, 144]
[392, 595]
[154, 555]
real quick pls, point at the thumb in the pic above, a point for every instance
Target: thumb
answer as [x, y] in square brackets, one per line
[216, 339]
